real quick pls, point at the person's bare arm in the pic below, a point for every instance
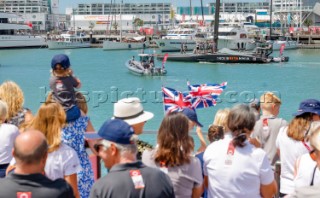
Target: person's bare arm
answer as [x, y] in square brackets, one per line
[268, 191]
[197, 191]
[91, 142]
[203, 144]
[72, 180]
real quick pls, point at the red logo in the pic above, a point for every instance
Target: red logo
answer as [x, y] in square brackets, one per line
[24, 195]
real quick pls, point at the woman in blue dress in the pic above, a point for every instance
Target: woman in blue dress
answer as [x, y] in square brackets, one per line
[73, 136]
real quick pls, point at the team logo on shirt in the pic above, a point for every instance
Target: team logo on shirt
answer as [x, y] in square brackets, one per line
[59, 85]
[24, 195]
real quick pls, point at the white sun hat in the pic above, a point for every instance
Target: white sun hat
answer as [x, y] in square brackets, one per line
[131, 111]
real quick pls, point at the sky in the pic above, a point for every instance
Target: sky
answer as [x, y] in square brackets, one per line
[73, 3]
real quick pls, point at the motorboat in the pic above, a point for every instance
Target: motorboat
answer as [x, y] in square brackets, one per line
[16, 35]
[231, 36]
[68, 41]
[145, 66]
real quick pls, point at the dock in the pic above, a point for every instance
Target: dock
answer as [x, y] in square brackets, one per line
[309, 46]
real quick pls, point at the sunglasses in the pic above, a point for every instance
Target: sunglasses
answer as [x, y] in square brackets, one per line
[313, 155]
[97, 147]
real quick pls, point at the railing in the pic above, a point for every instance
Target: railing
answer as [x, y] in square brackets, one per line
[295, 9]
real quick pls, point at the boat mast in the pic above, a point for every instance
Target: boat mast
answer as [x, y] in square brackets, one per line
[216, 23]
[202, 12]
[271, 18]
[190, 11]
[121, 21]
[74, 23]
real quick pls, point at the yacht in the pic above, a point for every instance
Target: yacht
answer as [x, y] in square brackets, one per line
[68, 41]
[286, 40]
[231, 35]
[126, 43]
[15, 35]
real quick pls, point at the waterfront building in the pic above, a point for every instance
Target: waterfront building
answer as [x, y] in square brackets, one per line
[106, 16]
[43, 14]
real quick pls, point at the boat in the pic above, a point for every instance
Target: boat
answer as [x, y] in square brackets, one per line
[259, 55]
[280, 40]
[125, 43]
[145, 66]
[128, 43]
[68, 41]
[231, 35]
[15, 35]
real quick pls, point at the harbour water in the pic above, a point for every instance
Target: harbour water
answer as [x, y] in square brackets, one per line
[105, 79]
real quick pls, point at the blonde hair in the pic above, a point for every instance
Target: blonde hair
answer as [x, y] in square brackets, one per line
[299, 126]
[50, 120]
[315, 138]
[3, 111]
[268, 99]
[221, 118]
[11, 93]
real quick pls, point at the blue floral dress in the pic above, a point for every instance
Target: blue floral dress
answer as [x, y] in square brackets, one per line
[73, 136]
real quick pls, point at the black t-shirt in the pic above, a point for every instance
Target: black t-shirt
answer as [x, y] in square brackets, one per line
[119, 183]
[63, 90]
[34, 186]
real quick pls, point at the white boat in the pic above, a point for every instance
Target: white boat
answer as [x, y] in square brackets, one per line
[14, 35]
[68, 41]
[287, 41]
[231, 36]
[145, 66]
[126, 44]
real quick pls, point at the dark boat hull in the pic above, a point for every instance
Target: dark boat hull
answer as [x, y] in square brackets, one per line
[215, 58]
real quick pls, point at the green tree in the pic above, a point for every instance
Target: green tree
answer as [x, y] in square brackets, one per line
[308, 23]
[115, 26]
[138, 22]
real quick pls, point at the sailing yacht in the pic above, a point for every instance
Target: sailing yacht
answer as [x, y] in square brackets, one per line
[125, 43]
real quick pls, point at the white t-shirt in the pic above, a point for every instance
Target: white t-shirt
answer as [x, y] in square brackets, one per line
[305, 171]
[62, 162]
[290, 151]
[8, 134]
[249, 169]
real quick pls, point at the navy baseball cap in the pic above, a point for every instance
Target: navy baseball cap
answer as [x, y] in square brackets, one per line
[308, 106]
[192, 115]
[61, 59]
[114, 130]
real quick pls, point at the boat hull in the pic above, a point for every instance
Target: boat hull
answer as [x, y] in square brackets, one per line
[216, 58]
[21, 41]
[288, 45]
[137, 70]
[174, 45]
[111, 45]
[67, 45]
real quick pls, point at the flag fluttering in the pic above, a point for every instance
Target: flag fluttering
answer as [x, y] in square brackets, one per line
[283, 45]
[164, 60]
[199, 96]
[204, 95]
[174, 100]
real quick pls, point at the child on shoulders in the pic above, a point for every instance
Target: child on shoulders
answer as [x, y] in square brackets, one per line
[63, 84]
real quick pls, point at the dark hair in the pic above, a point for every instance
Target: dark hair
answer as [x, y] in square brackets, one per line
[215, 133]
[241, 120]
[174, 142]
[33, 157]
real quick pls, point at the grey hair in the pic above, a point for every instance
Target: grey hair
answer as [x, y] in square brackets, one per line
[124, 148]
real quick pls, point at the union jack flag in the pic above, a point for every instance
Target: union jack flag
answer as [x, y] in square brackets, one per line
[204, 95]
[174, 100]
